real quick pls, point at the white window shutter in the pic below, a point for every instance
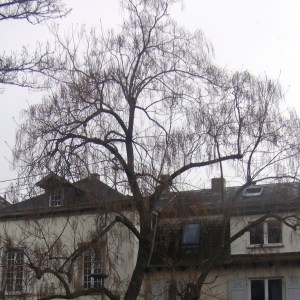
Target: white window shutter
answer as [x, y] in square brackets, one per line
[293, 288]
[158, 290]
[237, 289]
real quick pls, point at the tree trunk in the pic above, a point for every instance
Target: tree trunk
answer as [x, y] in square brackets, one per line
[137, 277]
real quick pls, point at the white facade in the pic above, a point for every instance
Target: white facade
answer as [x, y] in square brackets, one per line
[264, 264]
[48, 242]
[290, 238]
[230, 284]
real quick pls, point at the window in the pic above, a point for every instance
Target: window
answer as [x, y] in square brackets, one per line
[253, 191]
[267, 233]
[55, 198]
[91, 266]
[274, 232]
[15, 271]
[266, 289]
[257, 234]
[191, 234]
[172, 291]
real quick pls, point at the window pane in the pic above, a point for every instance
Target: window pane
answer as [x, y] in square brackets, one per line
[19, 271]
[274, 232]
[191, 234]
[97, 269]
[15, 270]
[55, 198]
[87, 269]
[257, 290]
[91, 269]
[257, 234]
[10, 271]
[253, 191]
[275, 289]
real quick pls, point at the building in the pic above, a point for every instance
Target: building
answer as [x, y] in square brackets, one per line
[239, 243]
[56, 242]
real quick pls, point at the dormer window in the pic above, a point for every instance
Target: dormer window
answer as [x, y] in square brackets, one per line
[253, 191]
[191, 234]
[55, 198]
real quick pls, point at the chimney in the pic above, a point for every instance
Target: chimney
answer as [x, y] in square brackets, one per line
[167, 181]
[94, 176]
[217, 184]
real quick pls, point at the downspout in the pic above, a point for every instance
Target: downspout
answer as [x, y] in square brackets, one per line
[153, 239]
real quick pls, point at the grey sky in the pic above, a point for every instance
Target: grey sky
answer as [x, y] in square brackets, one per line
[261, 36]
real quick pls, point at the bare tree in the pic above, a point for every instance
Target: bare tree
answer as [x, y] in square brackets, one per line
[147, 101]
[33, 11]
[49, 257]
[16, 67]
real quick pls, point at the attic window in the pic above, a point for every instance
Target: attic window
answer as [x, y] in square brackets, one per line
[191, 234]
[55, 198]
[253, 191]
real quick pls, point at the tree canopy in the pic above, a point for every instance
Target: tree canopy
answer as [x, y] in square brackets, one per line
[152, 93]
[16, 67]
[34, 11]
[148, 100]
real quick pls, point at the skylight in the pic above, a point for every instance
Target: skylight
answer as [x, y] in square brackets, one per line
[253, 191]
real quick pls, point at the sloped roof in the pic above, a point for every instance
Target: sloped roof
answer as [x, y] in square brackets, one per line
[90, 191]
[4, 202]
[51, 177]
[85, 193]
[274, 197]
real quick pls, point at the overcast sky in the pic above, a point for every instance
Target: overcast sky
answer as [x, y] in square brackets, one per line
[261, 36]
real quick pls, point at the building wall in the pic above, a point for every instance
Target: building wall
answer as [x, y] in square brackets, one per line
[290, 239]
[232, 283]
[49, 241]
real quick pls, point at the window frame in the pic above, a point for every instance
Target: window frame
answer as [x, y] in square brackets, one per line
[191, 241]
[266, 235]
[91, 264]
[253, 191]
[14, 272]
[56, 197]
[266, 286]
